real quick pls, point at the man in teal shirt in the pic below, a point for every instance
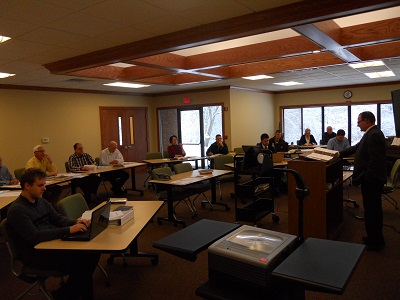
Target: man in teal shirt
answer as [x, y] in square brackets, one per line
[339, 142]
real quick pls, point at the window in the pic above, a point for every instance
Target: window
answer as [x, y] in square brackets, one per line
[317, 118]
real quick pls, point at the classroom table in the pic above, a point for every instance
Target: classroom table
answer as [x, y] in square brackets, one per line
[103, 169]
[160, 161]
[186, 179]
[114, 239]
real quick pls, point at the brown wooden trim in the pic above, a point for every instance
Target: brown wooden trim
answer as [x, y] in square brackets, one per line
[66, 90]
[337, 87]
[190, 106]
[347, 103]
[252, 90]
[286, 16]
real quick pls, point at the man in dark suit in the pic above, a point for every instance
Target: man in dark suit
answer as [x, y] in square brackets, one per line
[370, 172]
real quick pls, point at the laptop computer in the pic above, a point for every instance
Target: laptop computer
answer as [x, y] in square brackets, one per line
[282, 147]
[277, 157]
[99, 222]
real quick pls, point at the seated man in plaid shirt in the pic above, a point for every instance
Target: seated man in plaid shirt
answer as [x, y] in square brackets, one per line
[88, 184]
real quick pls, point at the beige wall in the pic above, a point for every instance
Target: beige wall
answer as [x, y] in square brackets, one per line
[335, 96]
[28, 116]
[251, 115]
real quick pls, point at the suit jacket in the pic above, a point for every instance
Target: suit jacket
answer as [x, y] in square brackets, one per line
[303, 139]
[370, 157]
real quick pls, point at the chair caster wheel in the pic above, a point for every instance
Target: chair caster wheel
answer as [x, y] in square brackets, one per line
[110, 260]
[275, 218]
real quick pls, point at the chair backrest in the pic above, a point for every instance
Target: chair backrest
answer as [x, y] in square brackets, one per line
[10, 244]
[72, 206]
[67, 169]
[220, 161]
[97, 160]
[182, 168]
[238, 150]
[394, 174]
[165, 154]
[164, 170]
[153, 155]
[18, 173]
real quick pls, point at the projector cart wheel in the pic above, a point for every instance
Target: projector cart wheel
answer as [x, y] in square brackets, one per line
[275, 218]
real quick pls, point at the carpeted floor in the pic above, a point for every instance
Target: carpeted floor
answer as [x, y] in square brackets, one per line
[376, 276]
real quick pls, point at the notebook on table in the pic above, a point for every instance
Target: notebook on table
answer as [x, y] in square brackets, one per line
[99, 222]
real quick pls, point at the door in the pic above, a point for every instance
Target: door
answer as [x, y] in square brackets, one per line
[128, 127]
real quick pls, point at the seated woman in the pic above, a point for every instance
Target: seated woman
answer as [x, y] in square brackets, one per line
[307, 139]
[175, 150]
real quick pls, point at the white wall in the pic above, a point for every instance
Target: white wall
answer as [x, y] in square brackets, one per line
[66, 118]
[252, 114]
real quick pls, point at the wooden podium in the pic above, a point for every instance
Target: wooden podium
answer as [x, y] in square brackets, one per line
[323, 207]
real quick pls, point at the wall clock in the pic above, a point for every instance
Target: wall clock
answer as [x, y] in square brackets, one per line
[347, 94]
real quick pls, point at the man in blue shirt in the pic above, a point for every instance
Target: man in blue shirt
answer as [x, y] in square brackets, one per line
[5, 175]
[339, 142]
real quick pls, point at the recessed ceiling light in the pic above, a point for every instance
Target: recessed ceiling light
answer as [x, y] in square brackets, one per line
[3, 38]
[5, 75]
[289, 83]
[257, 77]
[316, 51]
[127, 85]
[380, 74]
[121, 65]
[367, 64]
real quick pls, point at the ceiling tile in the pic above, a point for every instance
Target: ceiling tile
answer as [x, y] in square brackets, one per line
[125, 35]
[14, 29]
[73, 4]
[166, 24]
[126, 12]
[50, 36]
[32, 11]
[84, 24]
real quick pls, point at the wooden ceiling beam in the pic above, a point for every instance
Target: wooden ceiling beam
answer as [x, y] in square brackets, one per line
[252, 53]
[286, 16]
[375, 32]
[379, 51]
[285, 64]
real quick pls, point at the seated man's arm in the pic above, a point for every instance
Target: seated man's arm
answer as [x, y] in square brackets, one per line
[103, 159]
[224, 149]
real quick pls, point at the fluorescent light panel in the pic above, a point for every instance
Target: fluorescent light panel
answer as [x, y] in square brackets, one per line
[257, 77]
[127, 85]
[5, 75]
[4, 38]
[367, 64]
[121, 65]
[380, 74]
[289, 83]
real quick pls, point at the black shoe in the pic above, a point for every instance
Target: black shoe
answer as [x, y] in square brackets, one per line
[373, 246]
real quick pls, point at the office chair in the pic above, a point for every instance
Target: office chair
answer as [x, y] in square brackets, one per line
[238, 150]
[25, 273]
[103, 179]
[179, 194]
[197, 189]
[152, 155]
[165, 154]
[391, 184]
[219, 164]
[73, 207]
[18, 173]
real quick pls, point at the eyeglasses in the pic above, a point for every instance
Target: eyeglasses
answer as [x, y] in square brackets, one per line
[41, 151]
[358, 122]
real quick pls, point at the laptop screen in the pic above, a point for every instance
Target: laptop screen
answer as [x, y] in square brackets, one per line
[100, 220]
